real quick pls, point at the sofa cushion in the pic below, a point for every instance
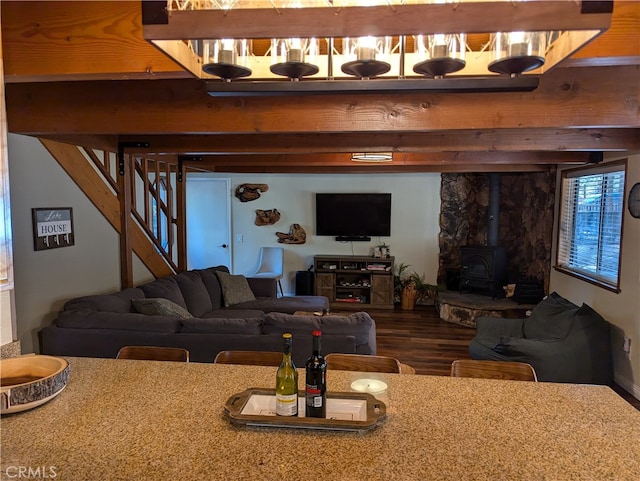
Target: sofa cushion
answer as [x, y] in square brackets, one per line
[115, 302]
[86, 319]
[251, 326]
[165, 287]
[233, 313]
[212, 284]
[235, 289]
[160, 307]
[194, 292]
[358, 324]
[287, 305]
[550, 319]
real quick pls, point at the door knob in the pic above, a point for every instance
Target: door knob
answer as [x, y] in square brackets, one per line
[224, 246]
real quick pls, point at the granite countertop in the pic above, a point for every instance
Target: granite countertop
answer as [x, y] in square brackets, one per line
[147, 420]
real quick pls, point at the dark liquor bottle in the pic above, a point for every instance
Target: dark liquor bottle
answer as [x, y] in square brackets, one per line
[287, 382]
[316, 381]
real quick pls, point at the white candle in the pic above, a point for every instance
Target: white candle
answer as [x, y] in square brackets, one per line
[372, 386]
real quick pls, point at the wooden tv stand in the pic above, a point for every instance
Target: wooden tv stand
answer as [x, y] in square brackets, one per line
[354, 282]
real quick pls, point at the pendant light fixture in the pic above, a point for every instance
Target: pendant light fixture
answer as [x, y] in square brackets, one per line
[439, 54]
[226, 58]
[517, 52]
[366, 57]
[294, 57]
[460, 45]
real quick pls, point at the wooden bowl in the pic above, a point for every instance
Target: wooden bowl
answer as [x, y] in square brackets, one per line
[29, 381]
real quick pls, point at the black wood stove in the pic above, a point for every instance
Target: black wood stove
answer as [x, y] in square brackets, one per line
[484, 269]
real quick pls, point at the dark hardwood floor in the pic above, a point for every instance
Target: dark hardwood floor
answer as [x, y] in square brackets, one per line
[421, 339]
[429, 344]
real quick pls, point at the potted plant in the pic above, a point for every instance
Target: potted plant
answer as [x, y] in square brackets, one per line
[424, 290]
[409, 287]
[401, 280]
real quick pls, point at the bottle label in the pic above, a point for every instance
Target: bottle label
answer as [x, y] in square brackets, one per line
[312, 390]
[286, 405]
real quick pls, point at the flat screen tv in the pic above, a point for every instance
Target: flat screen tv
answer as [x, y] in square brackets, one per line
[353, 216]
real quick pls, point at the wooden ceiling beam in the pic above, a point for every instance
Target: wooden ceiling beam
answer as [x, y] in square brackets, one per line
[454, 140]
[51, 41]
[619, 44]
[379, 169]
[210, 162]
[566, 98]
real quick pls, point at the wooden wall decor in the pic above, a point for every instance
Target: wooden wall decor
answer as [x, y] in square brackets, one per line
[296, 235]
[249, 192]
[267, 217]
[52, 228]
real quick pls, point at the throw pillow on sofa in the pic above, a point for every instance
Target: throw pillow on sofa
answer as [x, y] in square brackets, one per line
[235, 289]
[160, 307]
[194, 293]
[166, 288]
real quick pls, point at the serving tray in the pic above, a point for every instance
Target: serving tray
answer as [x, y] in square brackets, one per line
[346, 411]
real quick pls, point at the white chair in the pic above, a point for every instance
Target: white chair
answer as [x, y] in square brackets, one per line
[271, 264]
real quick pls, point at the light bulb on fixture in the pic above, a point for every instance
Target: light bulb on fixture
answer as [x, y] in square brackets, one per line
[294, 57]
[364, 56]
[225, 51]
[227, 58]
[439, 54]
[517, 52]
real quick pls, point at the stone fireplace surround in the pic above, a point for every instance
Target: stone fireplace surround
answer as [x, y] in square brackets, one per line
[525, 224]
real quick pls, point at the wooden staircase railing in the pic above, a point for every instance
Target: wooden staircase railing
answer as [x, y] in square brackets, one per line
[145, 205]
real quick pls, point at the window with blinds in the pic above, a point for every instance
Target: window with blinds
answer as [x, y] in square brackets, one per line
[590, 225]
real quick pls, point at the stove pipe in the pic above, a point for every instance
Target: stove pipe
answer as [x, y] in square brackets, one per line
[494, 209]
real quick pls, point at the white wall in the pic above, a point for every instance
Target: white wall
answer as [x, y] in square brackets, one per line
[415, 209]
[44, 280]
[621, 309]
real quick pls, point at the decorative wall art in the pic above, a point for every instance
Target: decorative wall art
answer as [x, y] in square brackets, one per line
[52, 227]
[296, 235]
[267, 217]
[249, 192]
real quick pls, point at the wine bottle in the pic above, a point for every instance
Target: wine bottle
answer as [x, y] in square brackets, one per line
[287, 382]
[316, 381]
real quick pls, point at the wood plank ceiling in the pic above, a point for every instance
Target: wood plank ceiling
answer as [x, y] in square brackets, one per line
[81, 72]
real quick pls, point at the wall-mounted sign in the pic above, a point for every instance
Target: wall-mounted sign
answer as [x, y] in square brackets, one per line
[52, 228]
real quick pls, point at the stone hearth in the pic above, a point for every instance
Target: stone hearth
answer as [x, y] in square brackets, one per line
[465, 308]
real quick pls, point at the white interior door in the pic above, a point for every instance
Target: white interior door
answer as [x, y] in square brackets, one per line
[208, 221]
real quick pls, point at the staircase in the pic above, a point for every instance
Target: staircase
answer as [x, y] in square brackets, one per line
[141, 197]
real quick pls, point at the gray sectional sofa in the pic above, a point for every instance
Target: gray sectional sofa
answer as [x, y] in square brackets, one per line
[204, 311]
